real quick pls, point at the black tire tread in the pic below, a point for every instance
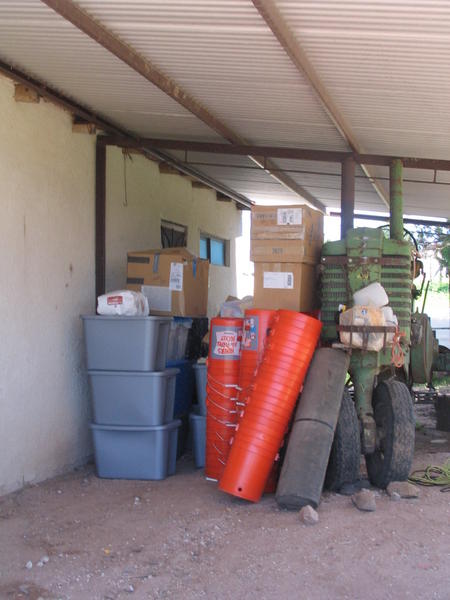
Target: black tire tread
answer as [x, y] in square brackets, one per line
[345, 455]
[392, 400]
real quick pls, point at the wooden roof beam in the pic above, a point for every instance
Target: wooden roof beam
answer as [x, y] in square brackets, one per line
[103, 36]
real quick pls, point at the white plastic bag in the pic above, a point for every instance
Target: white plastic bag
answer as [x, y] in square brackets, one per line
[373, 294]
[391, 321]
[362, 316]
[236, 308]
[124, 303]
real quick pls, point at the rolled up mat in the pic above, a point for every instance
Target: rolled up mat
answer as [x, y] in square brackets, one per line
[308, 450]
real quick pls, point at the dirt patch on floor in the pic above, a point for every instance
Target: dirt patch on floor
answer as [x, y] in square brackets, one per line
[183, 539]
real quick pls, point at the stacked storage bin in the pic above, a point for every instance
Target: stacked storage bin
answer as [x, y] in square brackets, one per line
[197, 418]
[134, 432]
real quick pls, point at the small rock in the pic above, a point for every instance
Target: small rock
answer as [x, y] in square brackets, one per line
[395, 496]
[59, 492]
[45, 559]
[308, 515]
[137, 500]
[39, 563]
[29, 565]
[129, 589]
[403, 488]
[364, 500]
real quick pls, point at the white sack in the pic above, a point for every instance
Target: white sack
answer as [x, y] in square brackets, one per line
[124, 303]
[362, 316]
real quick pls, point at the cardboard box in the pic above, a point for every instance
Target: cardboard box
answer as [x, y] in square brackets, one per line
[281, 250]
[290, 286]
[288, 223]
[174, 281]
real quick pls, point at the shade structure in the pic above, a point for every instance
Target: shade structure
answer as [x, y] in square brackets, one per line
[222, 391]
[259, 436]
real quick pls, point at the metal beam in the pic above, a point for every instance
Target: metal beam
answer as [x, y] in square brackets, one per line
[385, 219]
[103, 36]
[347, 195]
[281, 152]
[100, 219]
[272, 16]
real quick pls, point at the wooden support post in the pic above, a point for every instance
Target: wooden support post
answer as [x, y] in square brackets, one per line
[100, 219]
[347, 195]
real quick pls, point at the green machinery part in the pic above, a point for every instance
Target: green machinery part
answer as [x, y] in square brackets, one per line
[365, 256]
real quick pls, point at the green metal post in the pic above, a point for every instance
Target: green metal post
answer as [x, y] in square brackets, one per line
[347, 195]
[396, 199]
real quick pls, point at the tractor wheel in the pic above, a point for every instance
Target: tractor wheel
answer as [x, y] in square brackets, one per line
[345, 456]
[394, 418]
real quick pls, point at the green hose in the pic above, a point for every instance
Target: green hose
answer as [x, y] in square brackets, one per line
[433, 475]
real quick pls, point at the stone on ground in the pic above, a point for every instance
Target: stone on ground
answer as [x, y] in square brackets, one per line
[403, 488]
[364, 500]
[308, 515]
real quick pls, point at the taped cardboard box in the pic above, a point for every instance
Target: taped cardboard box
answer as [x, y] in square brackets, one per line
[298, 222]
[281, 250]
[173, 279]
[291, 286]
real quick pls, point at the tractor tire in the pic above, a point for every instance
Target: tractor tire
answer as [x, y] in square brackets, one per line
[394, 418]
[345, 456]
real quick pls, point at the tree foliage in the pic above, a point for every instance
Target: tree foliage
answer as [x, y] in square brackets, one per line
[434, 239]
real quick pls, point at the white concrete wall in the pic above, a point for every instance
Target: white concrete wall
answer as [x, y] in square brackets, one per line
[133, 220]
[47, 279]
[47, 270]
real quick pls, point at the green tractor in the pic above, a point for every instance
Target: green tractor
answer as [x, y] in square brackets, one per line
[378, 419]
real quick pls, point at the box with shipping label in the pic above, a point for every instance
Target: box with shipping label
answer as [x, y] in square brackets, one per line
[281, 250]
[290, 286]
[288, 223]
[173, 279]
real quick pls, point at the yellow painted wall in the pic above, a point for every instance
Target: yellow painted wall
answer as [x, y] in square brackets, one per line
[133, 218]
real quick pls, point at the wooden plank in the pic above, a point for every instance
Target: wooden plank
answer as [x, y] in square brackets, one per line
[23, 93]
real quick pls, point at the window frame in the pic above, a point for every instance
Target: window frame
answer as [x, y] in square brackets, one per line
[226, 248]
[166, 224]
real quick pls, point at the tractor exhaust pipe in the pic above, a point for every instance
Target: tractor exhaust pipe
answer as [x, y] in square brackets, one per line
[396, 199]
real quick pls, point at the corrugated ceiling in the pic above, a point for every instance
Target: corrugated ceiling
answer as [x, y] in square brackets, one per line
[385, 64]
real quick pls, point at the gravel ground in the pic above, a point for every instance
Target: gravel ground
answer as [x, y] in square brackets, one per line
[181, 538]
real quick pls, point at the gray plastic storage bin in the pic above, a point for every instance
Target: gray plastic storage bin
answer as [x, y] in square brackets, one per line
[126, 343]
[133, 398]
[198, 430]
[135, 452]
[200, 371]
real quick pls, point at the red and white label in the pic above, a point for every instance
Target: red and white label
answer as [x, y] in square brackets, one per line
[227, 343]
[114, 300]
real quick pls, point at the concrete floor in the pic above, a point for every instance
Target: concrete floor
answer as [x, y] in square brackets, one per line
[183, 539]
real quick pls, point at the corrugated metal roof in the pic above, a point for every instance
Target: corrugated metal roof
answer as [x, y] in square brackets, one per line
[383, 64]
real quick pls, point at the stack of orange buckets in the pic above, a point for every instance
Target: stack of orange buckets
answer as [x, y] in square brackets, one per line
[257, 325]
[270, 403]
[222, 392]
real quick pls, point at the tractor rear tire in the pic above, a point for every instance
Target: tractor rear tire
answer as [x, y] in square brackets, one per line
[394, 418]
[345, 455]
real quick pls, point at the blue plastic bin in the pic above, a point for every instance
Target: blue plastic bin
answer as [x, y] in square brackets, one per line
[184, 387]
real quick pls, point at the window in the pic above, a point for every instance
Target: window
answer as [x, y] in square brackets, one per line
[215, 250]
[173, 235]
